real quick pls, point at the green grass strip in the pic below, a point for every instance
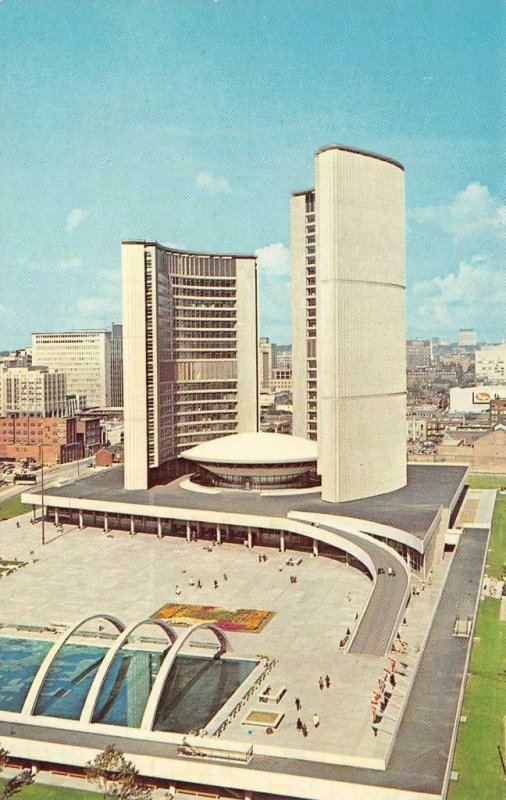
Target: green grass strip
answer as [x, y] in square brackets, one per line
[13, 507]
[477, 759]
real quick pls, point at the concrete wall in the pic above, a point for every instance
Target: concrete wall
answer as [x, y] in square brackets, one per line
[299, 340]
[361, 325]
[134, 367]
[247, 345]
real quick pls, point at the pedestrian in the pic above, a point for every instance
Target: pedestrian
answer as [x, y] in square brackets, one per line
[199, 584]
[392, 680]
[259, 558]
[349, 597]
[225, 576]
[316, 720]
[17, 524]
[327, 681]
[178, 590]
[304, 730]
[216, 584]
[375, 730]
[298, 704]
[299, 724]
[321, 683]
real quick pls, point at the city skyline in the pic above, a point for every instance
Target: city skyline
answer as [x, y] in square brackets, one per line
[214, 107]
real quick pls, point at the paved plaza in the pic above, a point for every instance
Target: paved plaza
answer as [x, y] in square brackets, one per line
[79, 573]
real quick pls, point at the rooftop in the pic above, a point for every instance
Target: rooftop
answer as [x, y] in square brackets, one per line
[412, 508]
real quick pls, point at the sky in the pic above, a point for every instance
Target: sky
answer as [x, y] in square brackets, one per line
[190, 122]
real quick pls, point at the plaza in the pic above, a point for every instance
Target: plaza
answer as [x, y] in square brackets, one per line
[132, 573]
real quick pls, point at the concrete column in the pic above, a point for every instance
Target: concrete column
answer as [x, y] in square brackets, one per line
[159, 528]
[188, 532]
[250, 539]
[56, 517]
[315, 548]
[282, 544]
[218, 534]
[106, 522]
[81, 524]
[132, 525]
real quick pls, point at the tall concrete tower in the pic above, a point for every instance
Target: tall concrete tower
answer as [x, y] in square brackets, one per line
[349, 279]
[190, 354]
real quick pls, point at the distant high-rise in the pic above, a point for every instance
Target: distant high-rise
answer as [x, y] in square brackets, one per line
[265, 364]
[83, 356]
[117, 365]
[418, 353]
[190, 353]
[27, 391]
[491, 364]
[348, 295]
[467, 337]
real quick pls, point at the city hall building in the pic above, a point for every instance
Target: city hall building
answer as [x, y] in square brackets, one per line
[196, 467]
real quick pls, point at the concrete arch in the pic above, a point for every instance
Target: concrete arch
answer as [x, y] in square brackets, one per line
[99, 679]
[148, 719]
[43, 671]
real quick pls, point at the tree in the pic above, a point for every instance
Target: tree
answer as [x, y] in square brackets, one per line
[116, 777]
[15, 784]
[4, 759]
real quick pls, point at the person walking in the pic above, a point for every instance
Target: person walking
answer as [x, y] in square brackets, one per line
[316, 720]
[216, 584]
[321, 684]
[299, 724]
[298, 704]
[199, 584]
[327, 681]
[304, 730]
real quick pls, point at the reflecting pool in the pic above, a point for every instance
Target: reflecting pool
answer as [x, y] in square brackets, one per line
[195, 689]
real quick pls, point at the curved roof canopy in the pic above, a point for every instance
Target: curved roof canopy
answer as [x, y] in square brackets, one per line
[254, 448]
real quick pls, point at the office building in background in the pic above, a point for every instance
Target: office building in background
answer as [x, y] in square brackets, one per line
[491, 364]
[32, 391]
[190, 353]
[467, 337]
[83, 356]
[348, 275]
[116, 365]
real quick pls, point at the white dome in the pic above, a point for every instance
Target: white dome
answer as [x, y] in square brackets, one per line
[254, 448]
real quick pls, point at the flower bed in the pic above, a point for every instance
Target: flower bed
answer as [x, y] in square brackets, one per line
[243, 620]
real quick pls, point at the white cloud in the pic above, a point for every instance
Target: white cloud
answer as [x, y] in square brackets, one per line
[212, 183]
[473, 212]
[6, 314]
[274, 259]
[473, 296]
[103, 306]
[76, 218]
[69, 263]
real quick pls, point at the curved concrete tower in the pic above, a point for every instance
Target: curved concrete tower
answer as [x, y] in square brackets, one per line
[361, 326]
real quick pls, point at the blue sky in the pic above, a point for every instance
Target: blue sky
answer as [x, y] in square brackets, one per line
[191, 121]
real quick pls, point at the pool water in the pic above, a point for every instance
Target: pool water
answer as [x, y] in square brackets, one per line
[195, 689]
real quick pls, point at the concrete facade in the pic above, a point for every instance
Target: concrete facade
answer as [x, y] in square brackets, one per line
[348, 257]
[83, 356]
[491, 364]
[190, 353]
[29, 390]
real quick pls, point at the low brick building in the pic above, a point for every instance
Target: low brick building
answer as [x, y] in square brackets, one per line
[107, 456]
[51, 439]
